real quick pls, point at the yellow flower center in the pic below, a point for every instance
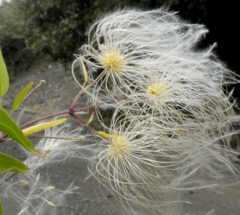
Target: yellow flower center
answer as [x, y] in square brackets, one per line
[157, 90]
[113, 62]
[119, 147]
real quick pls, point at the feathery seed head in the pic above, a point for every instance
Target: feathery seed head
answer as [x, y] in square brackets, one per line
[176, 106]
[120, 146]
[113, 62]
[127, 168]
[157, 90]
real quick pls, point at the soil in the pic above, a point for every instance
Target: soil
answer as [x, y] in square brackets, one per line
[57, 95]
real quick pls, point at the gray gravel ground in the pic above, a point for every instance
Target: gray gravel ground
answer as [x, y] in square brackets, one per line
[57, 95]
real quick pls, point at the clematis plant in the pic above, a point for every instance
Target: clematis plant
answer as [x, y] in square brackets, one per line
[171, 125]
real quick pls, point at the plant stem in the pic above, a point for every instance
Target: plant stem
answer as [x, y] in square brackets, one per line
[81, 122]
[82, 92]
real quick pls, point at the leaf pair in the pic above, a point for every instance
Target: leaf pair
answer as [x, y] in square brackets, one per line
[10, 128]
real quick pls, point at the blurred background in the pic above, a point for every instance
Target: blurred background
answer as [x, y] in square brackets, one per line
[55, 29]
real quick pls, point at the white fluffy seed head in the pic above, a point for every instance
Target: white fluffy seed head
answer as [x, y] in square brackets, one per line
[158, 90]
[113, 62]
[171, 111]
[120, 147]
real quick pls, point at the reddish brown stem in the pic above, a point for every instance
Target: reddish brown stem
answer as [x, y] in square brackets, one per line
[70, 111]
[81, 122]
[43, 118]
[39, 85]
[82, 92]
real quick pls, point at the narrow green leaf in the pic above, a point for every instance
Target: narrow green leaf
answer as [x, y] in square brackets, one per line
[1, 212]
[19, 99]
[8, 163]
[4, 80]
[10, 128]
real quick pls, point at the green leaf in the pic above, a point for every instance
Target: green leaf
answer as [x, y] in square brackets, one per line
[10, 128]
[4, 80]
[19, 99]
[8, 163]
[1, 212]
